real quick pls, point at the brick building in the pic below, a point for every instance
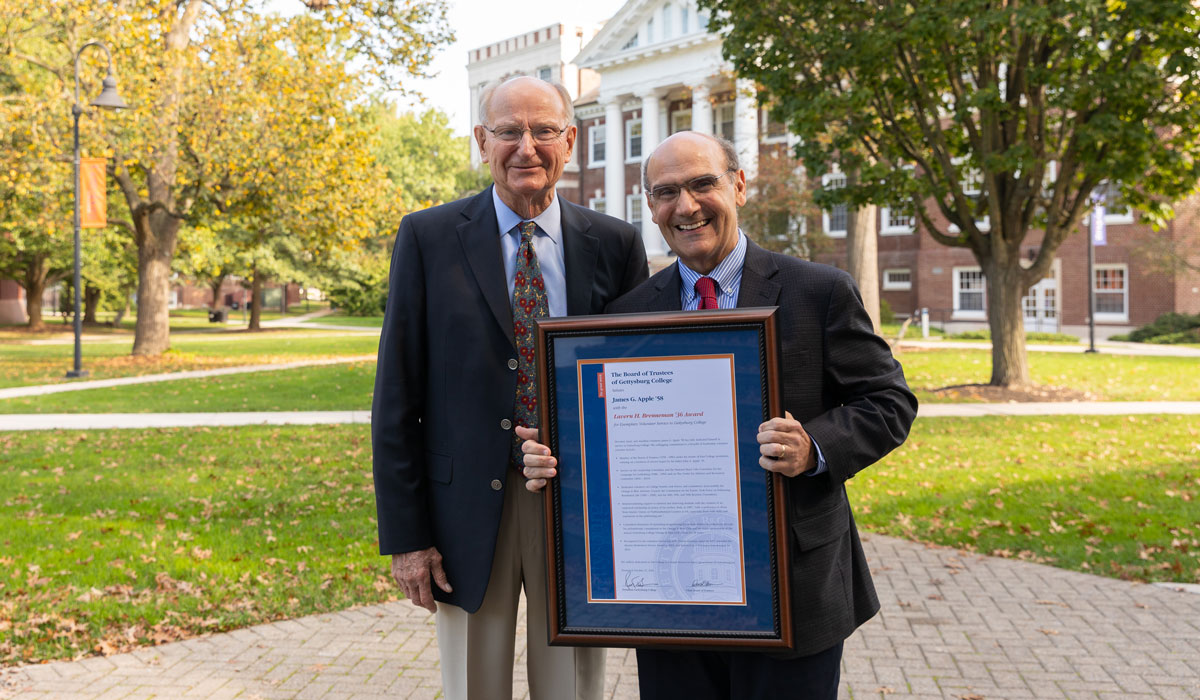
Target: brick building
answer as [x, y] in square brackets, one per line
[658, 71]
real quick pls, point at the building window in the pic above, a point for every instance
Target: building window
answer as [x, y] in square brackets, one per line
[650, 31]
[896, 221]
[545, 73]
[1111, 288]
[835, 219]
[596, 204]
[633, 208]
[972, 188]
[725, 118]
[666, 23]
[683, 19]
[969, 293]
[773, 128]
[899, 279]
[596, 146]
[681, 120]
[633, 140]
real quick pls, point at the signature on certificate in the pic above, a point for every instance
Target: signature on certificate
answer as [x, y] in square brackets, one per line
[636, 582]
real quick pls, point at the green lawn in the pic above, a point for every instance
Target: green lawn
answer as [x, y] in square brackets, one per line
[23, 364]
[1116, 496]
[115, 539]
[341, 387]
[1106, 377]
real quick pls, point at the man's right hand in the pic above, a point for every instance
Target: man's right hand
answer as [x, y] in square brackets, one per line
[413, 570]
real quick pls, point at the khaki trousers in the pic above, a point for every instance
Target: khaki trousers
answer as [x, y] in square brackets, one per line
[477, 648]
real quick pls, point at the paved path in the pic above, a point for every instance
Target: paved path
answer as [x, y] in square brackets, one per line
[89, 421]
[1110, 347]
[953, 625]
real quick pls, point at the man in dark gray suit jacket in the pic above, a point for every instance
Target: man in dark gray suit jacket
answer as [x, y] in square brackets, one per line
[459, 532]
[846, 402]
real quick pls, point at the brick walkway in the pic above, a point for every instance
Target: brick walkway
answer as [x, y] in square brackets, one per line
[955, 626]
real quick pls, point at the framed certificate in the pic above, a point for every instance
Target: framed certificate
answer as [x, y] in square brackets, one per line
[661, 527]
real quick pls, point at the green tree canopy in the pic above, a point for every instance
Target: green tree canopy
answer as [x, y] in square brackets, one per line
[989, 119]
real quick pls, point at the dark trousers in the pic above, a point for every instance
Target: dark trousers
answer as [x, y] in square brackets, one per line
[739, 675]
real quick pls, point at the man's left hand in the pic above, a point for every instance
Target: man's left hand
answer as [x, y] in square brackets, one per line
[785, 446]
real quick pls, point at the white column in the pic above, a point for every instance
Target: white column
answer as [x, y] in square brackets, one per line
[745, 127]
[471, 145]
[702, 113]
[614, 159]
[651, 237]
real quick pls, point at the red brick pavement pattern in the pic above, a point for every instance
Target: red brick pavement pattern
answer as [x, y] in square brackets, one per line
[954, 626]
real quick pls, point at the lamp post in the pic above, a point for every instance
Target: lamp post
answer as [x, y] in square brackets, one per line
[107, 99]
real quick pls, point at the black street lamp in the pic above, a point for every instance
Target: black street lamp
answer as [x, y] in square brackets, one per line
[107, 99]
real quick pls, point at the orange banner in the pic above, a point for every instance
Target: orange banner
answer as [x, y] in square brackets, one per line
[93, 193]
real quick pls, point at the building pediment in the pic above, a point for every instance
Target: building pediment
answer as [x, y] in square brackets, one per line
[644, 28]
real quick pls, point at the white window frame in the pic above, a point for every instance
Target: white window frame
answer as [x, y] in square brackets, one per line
[961, 314]
[764, 120]
[597, 204]
[725, 109]
[971, 173]
[887, 229]
[1108, 316]
[633, 208]
[897, 286]
[676, 115]
[629, 141]
[591, 149]
[825, 213]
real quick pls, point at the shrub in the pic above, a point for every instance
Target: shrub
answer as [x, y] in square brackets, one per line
[360, 296]
[886, 315]
[1035, 336]
[1169, 328]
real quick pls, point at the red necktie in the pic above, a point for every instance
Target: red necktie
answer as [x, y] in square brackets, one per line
[529, 302]
[707, 289]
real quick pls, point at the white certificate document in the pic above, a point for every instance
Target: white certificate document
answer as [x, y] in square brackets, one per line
[674, 481]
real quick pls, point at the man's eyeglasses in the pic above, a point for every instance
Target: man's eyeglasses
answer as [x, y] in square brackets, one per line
[541, 134]
[665, 194]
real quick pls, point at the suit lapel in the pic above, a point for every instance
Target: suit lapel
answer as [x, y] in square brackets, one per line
[479, 236]
[581, 250]
[757, 288]
[666, 286]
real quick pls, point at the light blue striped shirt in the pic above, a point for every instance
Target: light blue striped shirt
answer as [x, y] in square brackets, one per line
[547, 245]
[728, 276]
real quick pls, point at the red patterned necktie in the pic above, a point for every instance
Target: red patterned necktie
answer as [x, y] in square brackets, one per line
[529, 302]
[707, 289]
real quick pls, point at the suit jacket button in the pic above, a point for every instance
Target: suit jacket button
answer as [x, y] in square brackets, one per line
[512, 363]
[506, 424]
[496, 485]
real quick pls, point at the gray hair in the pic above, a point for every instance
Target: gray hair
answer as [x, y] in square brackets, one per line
[727, 148]
[485, 97]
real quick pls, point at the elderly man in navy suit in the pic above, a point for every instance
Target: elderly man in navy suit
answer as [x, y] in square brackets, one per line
[455, 376]
[846, 405]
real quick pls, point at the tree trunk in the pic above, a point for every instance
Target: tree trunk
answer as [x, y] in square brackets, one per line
[122, 313]
[91, 300]
[35, 287]
[283, 300]
[862, 249]
[256, 285]
[152, 333]
[1005, 288]
[862, 253]
[215, 285]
